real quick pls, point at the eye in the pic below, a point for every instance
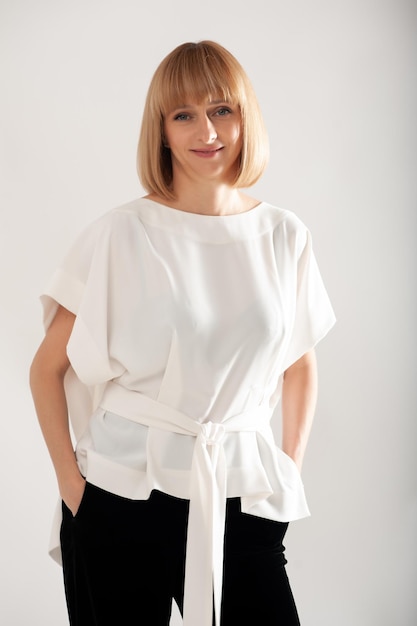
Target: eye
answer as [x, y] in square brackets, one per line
[181, 117]
[223, 111]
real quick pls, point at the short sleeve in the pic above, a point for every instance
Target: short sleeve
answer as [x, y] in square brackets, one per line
[82, 284]
[313, 314]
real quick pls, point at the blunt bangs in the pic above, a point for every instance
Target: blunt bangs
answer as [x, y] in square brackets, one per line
[198, 72]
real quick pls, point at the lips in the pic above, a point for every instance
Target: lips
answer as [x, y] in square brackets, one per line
[208, 152]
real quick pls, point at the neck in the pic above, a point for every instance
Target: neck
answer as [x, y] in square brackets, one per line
[209, 200]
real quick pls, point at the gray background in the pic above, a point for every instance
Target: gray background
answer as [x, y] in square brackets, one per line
[338, 91]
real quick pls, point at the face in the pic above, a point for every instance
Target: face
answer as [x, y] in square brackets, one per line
[205, 140]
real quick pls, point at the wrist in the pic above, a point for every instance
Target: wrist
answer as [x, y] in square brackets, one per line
[296, 455]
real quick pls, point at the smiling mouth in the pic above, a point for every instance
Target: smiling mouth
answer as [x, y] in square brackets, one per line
[207, 152]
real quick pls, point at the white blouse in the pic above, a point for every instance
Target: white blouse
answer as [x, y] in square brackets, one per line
[185, 325]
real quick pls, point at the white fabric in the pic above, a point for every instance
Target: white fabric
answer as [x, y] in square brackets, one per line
[185, 325]
[207, 489]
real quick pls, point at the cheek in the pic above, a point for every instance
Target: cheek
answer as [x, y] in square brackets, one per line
[236, 135]
[238, 143]
[171, 134]
[168, 135]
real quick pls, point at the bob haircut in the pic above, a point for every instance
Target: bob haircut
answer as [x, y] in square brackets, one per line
[198, 71]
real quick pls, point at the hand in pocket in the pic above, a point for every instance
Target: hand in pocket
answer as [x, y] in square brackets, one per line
[72, 494]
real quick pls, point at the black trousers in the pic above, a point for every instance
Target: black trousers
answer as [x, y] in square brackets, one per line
[123, 563]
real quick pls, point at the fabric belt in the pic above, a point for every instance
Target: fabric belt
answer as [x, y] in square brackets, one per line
[208, 490]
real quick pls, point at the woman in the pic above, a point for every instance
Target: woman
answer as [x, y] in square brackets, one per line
[175, 326]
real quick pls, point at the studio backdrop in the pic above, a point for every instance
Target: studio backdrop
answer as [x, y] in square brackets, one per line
[337, 89]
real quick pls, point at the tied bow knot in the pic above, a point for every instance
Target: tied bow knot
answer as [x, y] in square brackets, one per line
[212, 433]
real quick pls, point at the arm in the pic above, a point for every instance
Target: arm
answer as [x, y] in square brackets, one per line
[47, 385]
[299, 397]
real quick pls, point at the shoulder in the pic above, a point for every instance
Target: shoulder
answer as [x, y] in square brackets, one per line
[288, 229]
[111, 222]
[283, 218]
[107, 231]
[119, 215]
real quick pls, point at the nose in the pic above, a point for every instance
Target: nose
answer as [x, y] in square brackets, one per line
[207, 130]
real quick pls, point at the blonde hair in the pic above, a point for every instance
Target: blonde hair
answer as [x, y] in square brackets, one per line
[197, 71]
